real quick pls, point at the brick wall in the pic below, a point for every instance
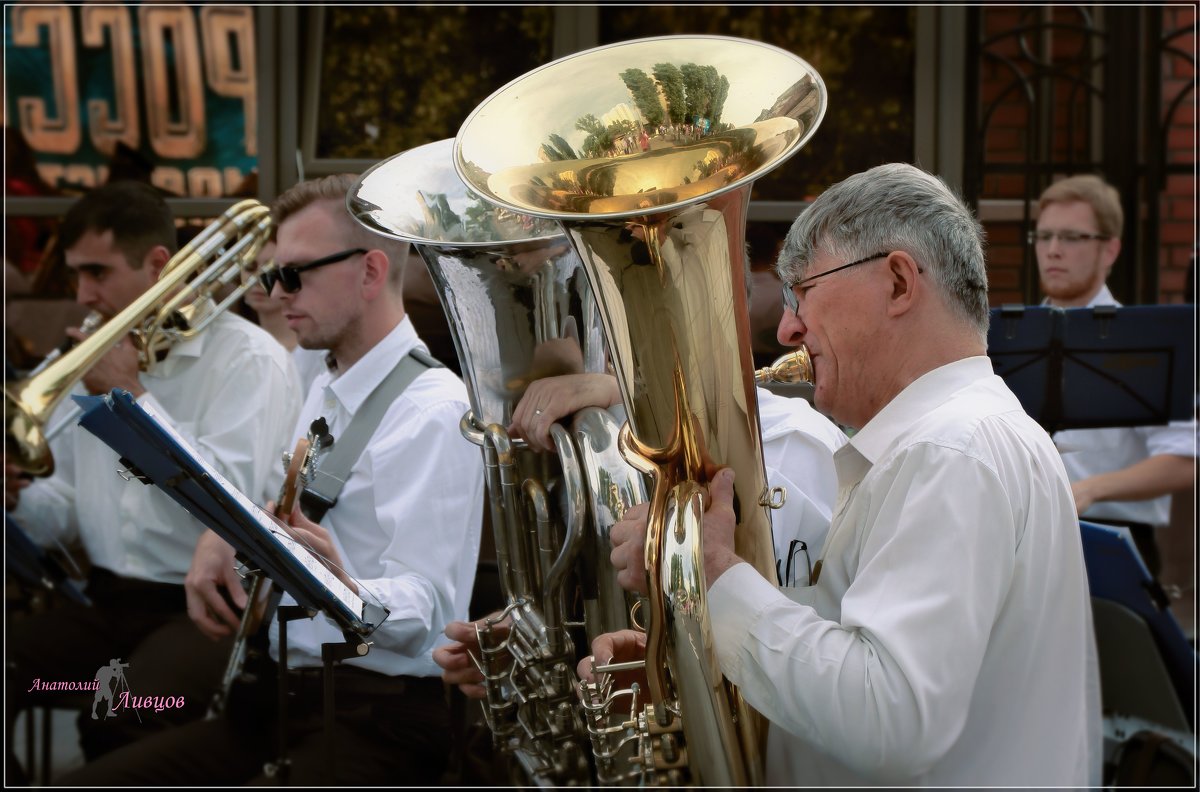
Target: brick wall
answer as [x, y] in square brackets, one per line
[1008, 139]
[1178, 201]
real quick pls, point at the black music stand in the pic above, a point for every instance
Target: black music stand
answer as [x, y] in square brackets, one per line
[1077, 368]
[154, 454]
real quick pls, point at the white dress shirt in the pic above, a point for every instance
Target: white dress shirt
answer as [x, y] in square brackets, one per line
[310, 364]
[1090, 452]
[232, 393]
[948, 640]
[798, 446]
[407, 523]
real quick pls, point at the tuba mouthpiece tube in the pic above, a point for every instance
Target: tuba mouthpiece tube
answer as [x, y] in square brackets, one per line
[791, 369]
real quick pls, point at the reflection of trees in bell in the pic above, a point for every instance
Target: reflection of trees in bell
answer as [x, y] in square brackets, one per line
[670, 80]
[645, 95]
[479, 221]
[598, 140]
[864, 54]
[690, 98]
[558, 149]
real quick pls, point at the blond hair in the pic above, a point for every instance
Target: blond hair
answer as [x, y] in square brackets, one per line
[335, 188]
[1094, 191]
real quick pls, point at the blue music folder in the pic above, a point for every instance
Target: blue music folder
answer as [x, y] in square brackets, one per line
[1117, 572]
[154, 453]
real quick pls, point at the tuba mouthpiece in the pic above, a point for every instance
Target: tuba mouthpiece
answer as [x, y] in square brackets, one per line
[791, 369]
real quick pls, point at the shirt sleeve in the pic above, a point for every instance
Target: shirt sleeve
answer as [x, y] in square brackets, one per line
[427, 484]
[886, 688]
[1177, 438]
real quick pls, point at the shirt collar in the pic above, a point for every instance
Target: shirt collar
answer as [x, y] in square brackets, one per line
[352, 387]
[1102, 297]
[921, 397]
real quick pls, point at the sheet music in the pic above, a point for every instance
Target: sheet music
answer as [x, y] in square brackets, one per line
[266, 520]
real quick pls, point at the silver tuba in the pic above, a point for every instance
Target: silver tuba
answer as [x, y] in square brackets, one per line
[520, 309]
[645, 152]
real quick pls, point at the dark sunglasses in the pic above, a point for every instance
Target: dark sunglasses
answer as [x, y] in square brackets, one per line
[288, 278]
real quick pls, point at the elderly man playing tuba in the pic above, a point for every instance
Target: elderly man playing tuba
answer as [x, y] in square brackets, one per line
[947, 638]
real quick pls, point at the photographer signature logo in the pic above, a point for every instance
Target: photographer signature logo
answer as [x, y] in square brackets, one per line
[112, 693]
[110, 682]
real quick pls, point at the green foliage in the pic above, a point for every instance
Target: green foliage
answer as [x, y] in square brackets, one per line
[671, 81]
[696, 88]
[557, 148]
[645, 95]
[598, 140]
[396, 77]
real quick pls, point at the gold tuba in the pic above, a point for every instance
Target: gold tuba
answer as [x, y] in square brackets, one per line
[520, 309]
[645, 152]
[177, 307]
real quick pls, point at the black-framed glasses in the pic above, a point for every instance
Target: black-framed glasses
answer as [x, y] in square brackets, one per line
[788, 574]
[789, 289]
[1066, 237]
[288, 278]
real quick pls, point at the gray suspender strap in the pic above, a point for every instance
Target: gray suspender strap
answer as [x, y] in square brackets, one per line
[321, 493]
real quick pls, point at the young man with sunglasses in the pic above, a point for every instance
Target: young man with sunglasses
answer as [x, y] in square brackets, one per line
[947, 640]
[404, 531]
[232, 391]
[1119, 475]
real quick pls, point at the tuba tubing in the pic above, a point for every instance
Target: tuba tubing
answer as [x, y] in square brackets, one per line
[660, 229]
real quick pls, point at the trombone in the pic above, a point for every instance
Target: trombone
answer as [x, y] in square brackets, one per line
[176, 308]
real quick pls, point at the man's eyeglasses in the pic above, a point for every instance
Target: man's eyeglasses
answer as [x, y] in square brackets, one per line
[1066, 237]
[288, 278]
[789, 289]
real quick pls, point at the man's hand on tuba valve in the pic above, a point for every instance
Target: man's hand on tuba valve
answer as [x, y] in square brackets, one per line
[629, 537]
[719, 524]
[622, 646]
[458, 660]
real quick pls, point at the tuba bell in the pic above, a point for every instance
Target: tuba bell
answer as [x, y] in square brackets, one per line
[645, 152]
[519, 309]
[177, 307]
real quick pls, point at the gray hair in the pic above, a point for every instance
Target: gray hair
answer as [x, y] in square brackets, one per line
[897, 207]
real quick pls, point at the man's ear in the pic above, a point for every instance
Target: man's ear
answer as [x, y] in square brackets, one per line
[156, 259]
[375, 273]
[905, 278]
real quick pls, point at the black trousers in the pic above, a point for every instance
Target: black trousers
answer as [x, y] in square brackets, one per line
[141, 624]
[388, 731]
